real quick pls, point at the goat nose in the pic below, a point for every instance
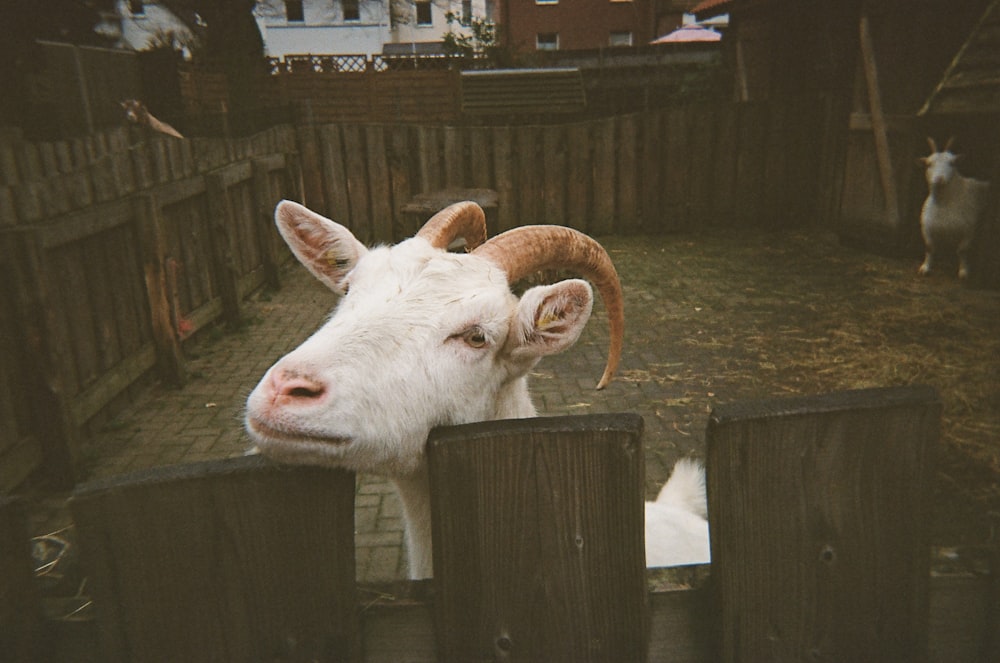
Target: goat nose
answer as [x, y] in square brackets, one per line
[293, 385]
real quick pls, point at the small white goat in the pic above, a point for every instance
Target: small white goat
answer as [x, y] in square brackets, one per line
[952, 209]
[422, 338]
[137, 113]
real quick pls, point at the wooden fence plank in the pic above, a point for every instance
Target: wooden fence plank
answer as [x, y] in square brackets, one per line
[378, 173]
[503, 166]
[544, 560]
[401, 178]
[530, 174]
[627, 206]
[334, 175]
[580, 177]
[358, 183]
[20, 611]
[152, 245]
[676, 169]
[224, 249]
[234, 560]
[604, 178]
[834, 487]
[264, 203]
[650, 177]
[554, 175]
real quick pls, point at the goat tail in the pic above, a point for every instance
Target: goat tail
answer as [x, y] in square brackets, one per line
[685, 489]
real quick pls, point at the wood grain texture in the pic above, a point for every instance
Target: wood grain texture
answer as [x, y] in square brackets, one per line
[538, 540]
[236, 560]
[819, 510]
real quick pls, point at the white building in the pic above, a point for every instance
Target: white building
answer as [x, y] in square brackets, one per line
[317, 27]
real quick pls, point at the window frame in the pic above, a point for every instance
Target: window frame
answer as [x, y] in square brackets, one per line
[538, 41]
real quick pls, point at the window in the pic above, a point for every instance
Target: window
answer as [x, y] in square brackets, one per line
[424, 12]
[621, 39]
[546, 2]
[352, 10]
[466, 12]
[547, 41]
[136, 7]
[293, 11]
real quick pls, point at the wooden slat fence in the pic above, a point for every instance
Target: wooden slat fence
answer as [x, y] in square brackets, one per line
[242, 559]
[135, 242]
[114, 260]
[665, 170]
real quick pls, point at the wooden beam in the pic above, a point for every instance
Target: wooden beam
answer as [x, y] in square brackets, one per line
[879, 128]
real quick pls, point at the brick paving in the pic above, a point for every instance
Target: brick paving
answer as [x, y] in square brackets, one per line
[710, 318]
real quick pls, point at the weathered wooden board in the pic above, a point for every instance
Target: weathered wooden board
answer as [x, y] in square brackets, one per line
[548, 539]
[236, 560]
[819, 512]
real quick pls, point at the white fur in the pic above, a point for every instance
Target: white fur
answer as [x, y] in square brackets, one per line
[951, 211]
[422, 338]
[677, 522]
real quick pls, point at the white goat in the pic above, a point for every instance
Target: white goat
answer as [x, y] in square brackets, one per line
[952, 209]
[422, 338]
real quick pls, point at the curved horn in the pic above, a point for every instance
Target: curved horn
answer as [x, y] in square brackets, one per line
[465, 219]
[947, 146]
[524, 250]
[933, 144]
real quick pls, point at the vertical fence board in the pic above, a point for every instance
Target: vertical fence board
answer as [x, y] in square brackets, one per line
[264, 201]
[678, 160]
[358, 189]
[334, 173]
[724, 166]
[401, 178]
[481, 157]
[554, 175]
[429, 154]
[378, 174]
[531, 173]
[20, 611]
[702, 146]
[604, 177]
[152, 246]
[233, 560]
[580, 174]
[834, 487]
[627, 207]
[224, 249]
[545, 559]
[506, 175]
[751, 154]
[454, 158]
[650, 160]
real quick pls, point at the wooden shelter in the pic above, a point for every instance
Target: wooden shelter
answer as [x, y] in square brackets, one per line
[894, 72]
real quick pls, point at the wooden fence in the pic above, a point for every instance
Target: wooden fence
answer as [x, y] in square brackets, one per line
[112, 254]
[818, 509]
[667, 170]
[118, 246]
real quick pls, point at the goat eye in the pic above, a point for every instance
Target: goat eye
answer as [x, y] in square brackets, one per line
[474, 337]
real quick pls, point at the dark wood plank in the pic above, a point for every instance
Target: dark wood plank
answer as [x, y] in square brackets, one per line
[538, 539]
[378, 174]
[236, 560]
[835, 487]
[20, 611]
[605, 162]
[224, 251]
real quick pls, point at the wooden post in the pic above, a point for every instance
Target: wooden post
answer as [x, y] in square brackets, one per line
[149, 230]
[234, 560]
[879, 128]
[264, 202]
[818, 509]
[221, 217]
[538, 539]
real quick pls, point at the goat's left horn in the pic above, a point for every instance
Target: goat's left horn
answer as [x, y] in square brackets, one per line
[527, 249]
[465, 219]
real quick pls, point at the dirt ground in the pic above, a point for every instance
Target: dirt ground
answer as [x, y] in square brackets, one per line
[721, 316]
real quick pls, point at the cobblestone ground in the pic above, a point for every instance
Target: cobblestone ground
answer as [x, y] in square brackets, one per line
[710, 318]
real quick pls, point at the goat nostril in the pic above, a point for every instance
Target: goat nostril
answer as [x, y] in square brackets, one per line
[297, 387]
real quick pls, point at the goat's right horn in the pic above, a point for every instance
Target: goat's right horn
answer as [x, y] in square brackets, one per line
[527, 249]
[465, 219]
[933, 144]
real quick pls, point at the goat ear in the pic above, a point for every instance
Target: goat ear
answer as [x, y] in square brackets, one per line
[327, 249]
[550, 318]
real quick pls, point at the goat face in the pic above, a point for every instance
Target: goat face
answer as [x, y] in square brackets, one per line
[421, 338]
[940, 169]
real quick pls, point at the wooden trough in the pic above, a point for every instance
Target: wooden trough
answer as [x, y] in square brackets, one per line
[818, 509]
